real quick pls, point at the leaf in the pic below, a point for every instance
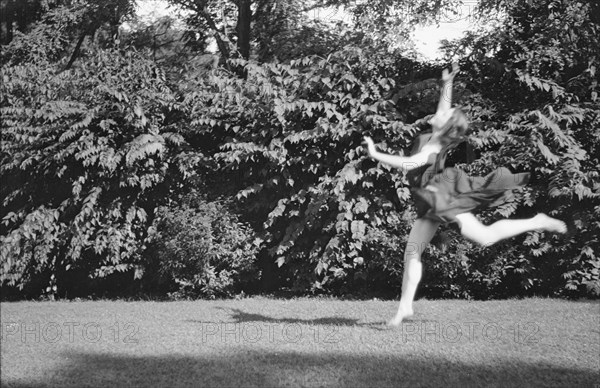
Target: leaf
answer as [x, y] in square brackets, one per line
[550, 157]
[350, 174]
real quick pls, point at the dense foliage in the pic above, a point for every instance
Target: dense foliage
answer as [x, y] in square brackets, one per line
[203, 249]
[103, 144]
[86, 157]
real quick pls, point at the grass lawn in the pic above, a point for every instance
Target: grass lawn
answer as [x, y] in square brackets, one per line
[260, 342]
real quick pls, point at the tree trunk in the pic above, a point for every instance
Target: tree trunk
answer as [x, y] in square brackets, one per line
[221, 44]
[76, 50]
[243, 28]
[91, 30]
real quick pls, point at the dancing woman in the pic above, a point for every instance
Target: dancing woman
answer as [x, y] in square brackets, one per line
[445, 195]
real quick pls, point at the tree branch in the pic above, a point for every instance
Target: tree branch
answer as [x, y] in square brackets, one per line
[89, 31]
[223, 47]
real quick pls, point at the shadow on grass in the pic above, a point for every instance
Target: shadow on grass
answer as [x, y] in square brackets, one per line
[239, 316]
[251, 368]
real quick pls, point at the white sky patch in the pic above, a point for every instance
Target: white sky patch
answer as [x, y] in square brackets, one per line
[452, 25]
[149, 10]
[427, 38]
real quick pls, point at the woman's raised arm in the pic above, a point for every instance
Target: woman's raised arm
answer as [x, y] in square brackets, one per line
[405, 163]
[445, 102]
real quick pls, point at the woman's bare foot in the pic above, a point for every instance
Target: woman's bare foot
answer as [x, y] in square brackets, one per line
[550, 224]
[400, 315]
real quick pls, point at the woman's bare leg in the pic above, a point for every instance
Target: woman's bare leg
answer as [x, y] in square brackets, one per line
[421, 234]
[474, 230]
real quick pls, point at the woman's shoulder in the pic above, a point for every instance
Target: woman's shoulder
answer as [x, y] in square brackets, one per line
[420, 141]
[447, 140]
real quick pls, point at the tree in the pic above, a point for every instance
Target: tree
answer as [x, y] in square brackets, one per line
[284, 30]
[18, 14]
[62, 25]
[215, 16]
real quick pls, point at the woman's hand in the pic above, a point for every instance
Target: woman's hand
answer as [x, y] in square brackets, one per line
[450, 76]
[370, 146]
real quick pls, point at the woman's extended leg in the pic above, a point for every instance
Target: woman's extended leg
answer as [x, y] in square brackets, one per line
[474, 230]
[421, 234]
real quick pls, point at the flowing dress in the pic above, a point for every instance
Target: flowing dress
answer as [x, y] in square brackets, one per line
[441, 193]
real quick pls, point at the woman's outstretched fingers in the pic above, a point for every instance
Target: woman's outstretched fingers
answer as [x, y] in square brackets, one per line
[447, 76]
[455, 69]
[370, 145]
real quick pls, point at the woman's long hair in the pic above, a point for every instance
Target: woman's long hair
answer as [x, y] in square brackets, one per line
[456, 126]
[455, 131]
